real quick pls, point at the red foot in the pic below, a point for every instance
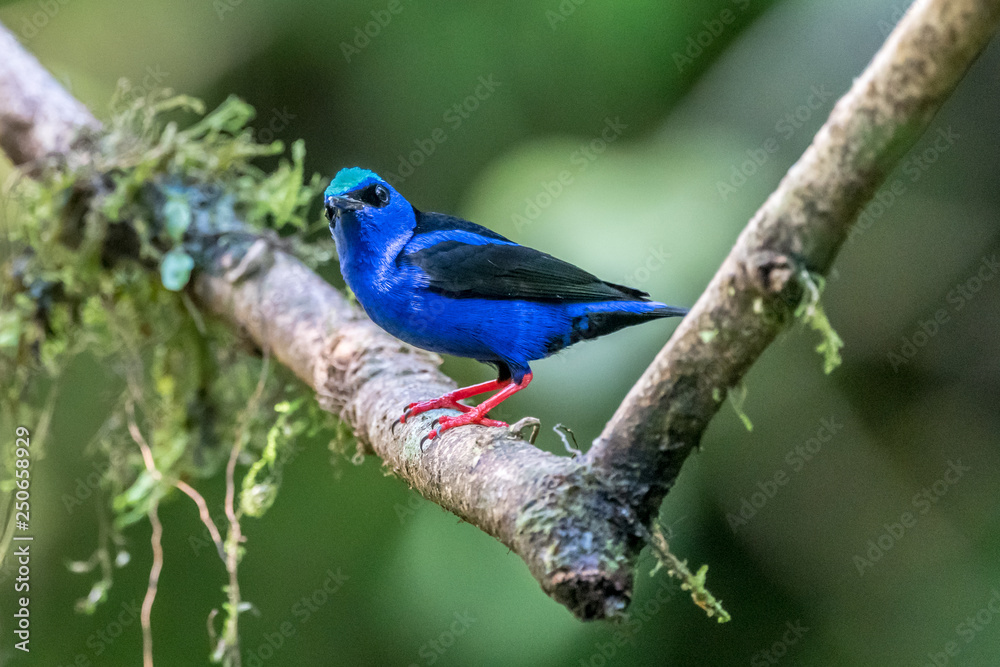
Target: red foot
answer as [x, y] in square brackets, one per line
[471, 417]
[445, 402]
[478, 414]
[450, 400]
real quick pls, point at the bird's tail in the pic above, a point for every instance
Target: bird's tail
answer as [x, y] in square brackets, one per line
[599, 319]
[663, 310]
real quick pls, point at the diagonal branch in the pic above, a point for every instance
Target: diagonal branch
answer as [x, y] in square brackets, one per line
[540, 505]
[37, 116]
[578, 524]
[795, 235]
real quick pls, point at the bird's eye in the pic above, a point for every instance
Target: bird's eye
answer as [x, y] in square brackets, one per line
[374, 195]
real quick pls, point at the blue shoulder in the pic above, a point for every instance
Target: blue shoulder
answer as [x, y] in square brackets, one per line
[434, 228]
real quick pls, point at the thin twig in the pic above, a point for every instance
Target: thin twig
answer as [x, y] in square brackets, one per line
[678, 569]
[199, 500]
[154, 579]
[562, 431]
[231, 635]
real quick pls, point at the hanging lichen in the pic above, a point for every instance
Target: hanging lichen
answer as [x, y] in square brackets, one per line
[101, 245]
[811, 312]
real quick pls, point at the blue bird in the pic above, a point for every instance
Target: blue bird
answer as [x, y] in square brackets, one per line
[447, 285]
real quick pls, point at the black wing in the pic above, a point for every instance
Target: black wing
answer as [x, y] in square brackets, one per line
[502, 271]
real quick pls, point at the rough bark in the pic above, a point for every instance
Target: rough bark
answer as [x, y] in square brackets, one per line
[550, 510]
[578, 523]
[37, 116]
[799, 229]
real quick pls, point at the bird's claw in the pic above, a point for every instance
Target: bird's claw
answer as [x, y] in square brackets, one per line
[427, 438]
[443, 403]
[446, 422]
[431, 435]
[407, 413]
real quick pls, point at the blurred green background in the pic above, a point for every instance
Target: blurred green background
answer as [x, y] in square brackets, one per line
[801, 520]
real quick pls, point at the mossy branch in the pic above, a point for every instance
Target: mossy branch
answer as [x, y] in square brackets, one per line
[774, 271]
[579, 524]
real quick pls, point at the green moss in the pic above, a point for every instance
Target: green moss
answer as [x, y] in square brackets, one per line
[300, 418]
[695, 583]
[552, 527]
[737, 397]
[102, 246]
[811, 312]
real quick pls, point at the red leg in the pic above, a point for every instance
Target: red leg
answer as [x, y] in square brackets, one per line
[451, 399]
[477, 415]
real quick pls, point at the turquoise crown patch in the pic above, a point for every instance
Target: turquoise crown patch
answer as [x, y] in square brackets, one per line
[349, 179]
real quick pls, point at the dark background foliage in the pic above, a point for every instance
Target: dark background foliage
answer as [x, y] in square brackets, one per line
[705, 104]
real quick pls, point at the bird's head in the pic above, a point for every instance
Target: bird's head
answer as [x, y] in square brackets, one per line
[362, 197]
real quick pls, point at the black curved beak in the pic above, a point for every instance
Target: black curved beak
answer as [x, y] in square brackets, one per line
[335, 205]
[343, 203]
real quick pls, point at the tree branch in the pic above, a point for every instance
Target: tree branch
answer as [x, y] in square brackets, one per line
[796, 234]
[550, 510]
[578, 524]
[37, 116]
